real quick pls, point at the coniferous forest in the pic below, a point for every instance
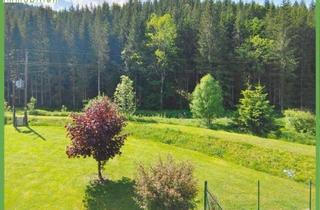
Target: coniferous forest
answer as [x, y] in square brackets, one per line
[72, 54]
[208, 102]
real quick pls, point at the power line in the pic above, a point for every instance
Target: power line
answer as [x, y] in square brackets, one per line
[55, 64]
[81, 52]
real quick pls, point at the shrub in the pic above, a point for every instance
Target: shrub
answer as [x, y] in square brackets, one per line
[7, 108]
[88, 103]
[32, 105]
[293, 136]
[206, 100]
[124, 96]
[96, 133]
[164, 113]
[300, 121]
[166, 186]
[255, 114]
[64, 108]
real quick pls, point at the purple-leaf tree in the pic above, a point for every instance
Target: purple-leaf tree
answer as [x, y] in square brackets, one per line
[96, 133]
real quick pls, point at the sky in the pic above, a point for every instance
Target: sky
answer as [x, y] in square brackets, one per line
[64, 4]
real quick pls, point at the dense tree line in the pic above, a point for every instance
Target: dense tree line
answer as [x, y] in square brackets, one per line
[238, 43]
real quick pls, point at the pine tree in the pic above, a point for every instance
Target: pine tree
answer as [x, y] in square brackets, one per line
[101, 45]
[255, 114]
[69, 49]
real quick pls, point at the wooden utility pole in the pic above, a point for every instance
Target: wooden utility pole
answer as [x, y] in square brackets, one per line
[26, 79]
[13, 102]
[25, 119]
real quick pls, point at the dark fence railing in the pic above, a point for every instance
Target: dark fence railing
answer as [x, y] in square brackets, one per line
[210, 201]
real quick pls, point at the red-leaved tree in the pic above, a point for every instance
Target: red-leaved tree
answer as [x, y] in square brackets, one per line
[96, 133]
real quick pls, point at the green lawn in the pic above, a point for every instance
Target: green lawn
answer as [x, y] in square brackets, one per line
[267, 155]
[300, 149]
[38, 175]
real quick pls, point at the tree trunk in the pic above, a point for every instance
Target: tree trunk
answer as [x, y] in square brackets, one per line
[232, 95]
[32, 86]
[37, 86]
[99, 78]
[99, 171]
[161, 89]
[209, 122]
[60, 88]
[281, 96]
[8, 85]
[50, 93]
[19, 96]
[73, 90]
[41, 89]
[301, 86]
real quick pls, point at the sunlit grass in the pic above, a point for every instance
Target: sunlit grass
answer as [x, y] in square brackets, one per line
[38, 175]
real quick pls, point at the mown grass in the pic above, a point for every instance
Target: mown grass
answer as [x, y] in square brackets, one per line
[41, 112]
[183, 117]
[267, 155]
[38, 175]
[227, 124]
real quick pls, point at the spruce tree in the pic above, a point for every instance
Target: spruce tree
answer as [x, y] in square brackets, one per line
[255, 114]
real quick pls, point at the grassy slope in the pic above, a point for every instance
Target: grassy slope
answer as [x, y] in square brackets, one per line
[261, 154]
[300, 149]
[39, 176]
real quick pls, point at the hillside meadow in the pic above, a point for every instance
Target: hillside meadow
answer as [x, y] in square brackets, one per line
[39, 175]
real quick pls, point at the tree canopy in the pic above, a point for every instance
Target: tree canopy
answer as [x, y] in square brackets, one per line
[124, 96]
[96, 133]
[207, 99]
[165, 47]
[255, 114]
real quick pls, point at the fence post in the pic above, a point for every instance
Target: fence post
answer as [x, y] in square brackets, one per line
[205, 194]
[310, 194]
[258, 194]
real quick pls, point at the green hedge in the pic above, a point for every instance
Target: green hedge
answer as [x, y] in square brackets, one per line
[164, 113]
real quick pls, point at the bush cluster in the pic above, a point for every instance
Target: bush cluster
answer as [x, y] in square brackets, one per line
[32, 105]
[166, 186]
[63, 109]
[7, 108]
[300, 121]
[181, 114]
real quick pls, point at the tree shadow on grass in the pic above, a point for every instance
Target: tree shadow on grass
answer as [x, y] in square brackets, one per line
[28, 130]
[110, 195]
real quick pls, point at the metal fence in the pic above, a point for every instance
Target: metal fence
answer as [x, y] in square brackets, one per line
[211, 202]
